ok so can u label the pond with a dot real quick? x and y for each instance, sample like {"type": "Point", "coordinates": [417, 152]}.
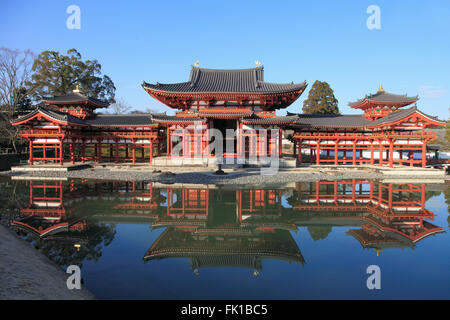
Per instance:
{"type": "Point", "coordinates": [313, 240]}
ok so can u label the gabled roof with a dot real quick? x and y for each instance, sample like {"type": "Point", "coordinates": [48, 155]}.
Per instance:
{"type": "Point", "coordinates": [384, 98]}
{"type": "Point", "coordinates": [353, 121]}
{"type": "Point", "coordinates": [230, 81]}
{"type": "Point", "coordinates": [99, 120]}
{"type": "Point", "coordinates": [53, 114]}
{"type": "Point", "coordinates": [76, 98]}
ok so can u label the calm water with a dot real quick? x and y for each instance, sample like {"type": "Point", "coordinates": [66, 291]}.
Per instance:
{"type": "Point", "coordinates": [311, 240]}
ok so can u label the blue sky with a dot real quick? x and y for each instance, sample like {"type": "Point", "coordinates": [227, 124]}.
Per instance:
{"type": "Point", "coordinates": [158, 41]}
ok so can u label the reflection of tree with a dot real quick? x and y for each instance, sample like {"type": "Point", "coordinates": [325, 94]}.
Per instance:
{"type": "Point", "coordinates": [447, 201]}
{"type": "Point", "coordinates": [60, 247]}
{"type": "Point", "coordinates": [319, 232]}
{"type": "Point", "coordinates": [13, 195]}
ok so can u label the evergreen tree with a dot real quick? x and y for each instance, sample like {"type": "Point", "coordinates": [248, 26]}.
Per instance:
{"type": "Point", "coordinates": [58, 74]}
{"type": "Point", "coordinates": [321, 100]}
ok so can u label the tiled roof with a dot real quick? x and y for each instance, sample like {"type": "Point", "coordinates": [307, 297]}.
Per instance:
{"type": "Point", "coordinates": [174, 119]}
{"type": "Point", "coordinates": [57, 115]}
{"type": "Point", "coordinates": [271, 120]}
{"type": "Point", "coordinates": [76, 97]}
{"type": "Point", "coordinates": [348, 121]}
{"type": "Point", "coordinates": [101, 120]}
{"type": "Point", "coordinates": [230, 81]}
{"type": "Point", "coordinates": [385, 97]}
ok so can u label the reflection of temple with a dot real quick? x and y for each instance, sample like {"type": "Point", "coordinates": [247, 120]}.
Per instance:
{"type": "Point", "coordinates": [46, 217]}
{"type": "Point", "coordinates": [234, 228]}
{"type": "Point", "coordinates": [215, 233]}
{"type": "Point", "coordinates": [392, 216]}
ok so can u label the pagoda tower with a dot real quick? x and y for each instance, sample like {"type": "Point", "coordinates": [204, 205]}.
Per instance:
{"type": "Point", "coordinates": [382, 103]}
{"type": "Point", "coordinates": [76, 104]}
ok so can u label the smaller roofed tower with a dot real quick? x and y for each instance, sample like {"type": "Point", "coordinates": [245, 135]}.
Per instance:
{"type": "Point", "coordinates": [381, 103]}
{"type": "Point", "coordinates": [76, 104]}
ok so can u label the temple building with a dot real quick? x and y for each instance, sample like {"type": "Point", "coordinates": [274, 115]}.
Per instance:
{"type": "Point", "coordinates": [241, 106]}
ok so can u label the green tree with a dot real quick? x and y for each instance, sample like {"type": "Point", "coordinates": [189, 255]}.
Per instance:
{"type": "Point", "coordinates": [319, 232]}
{"type": "Point", "coordinates": [58, 74]}
{"type": "Point", "coordinates": [321, 100]}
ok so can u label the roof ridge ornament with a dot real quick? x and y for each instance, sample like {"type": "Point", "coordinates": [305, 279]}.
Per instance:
{"type": "Point", "coordinates": [76, 90]}
{"type": "Point", "coordinates": [380, 89]}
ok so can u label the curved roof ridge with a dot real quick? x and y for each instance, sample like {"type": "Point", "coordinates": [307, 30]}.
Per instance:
{"type": "Point", "coordinates": [227, 70]}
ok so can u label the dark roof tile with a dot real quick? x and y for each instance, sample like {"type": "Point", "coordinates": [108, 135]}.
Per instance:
{"type": "Point", "coordinates": [101, 120]}
{"type": "Point", "coordinates": [76, 97]}
{"type": "Point", "coordinates": [385, 97]}
{"type": "Point", "coordinates": [236, 80]}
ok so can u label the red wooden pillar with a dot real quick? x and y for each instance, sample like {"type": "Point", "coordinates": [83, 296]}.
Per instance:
{"type": "Point", "coordinates": [299, 151]}
{"type": "Point", "coordinates": [318, 152]}
{"type": "Point", "coordinates": [134, 151]}
{"type": "Point", "coordinates": [391, 153]}
{"type": "Point", "coordinates": [151, 151]}
{"type": "Point", "coordinates": [354, 152]}
{"type": "Point", "coordinates": [411, 158]}
{"type": "Point", "coordinates": [61, 151]}
{"type": "Point", "coordinates": [44, 153]}
{"type": "Point", "coordinates": [422, 196]}
{"type": "Point", "coordinates": [336, 152]}
{"type": "Point", "coordinates": [31, 151]}
{"type": "Point", "coordinates": [117, 151]}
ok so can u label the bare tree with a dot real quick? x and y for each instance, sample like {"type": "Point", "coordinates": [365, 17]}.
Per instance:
{"type": "Point", "coordinates": [15, 72]}
{"type": "Point", "coordinates": [118, 107]}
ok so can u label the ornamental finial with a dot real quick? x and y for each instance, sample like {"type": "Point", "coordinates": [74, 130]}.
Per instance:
{"type": "Point", "coordinates": [257, 63]}
{"type": "Point", "coordinates": [196, 63]}
{"type": "Point", "coordinates": [77, 89]}
{"type": "Point", "coordinates": [381, 88]}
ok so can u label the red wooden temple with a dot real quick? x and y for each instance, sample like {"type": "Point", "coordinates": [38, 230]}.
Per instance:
{"type": "Point", "coordinates": [242, 107]}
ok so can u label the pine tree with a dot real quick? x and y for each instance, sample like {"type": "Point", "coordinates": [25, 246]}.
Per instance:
{"type": "Point", "coordinates": [58, 74]}
{"type": "Point", "coordinates": [321, 100]}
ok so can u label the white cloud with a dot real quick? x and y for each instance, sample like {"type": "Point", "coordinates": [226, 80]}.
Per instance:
{"type": "Point", "coordinates": [431, 92]}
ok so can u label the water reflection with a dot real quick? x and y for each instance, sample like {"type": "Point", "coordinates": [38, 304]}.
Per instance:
{"type": "Point", "coordinates": [74, 221]}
